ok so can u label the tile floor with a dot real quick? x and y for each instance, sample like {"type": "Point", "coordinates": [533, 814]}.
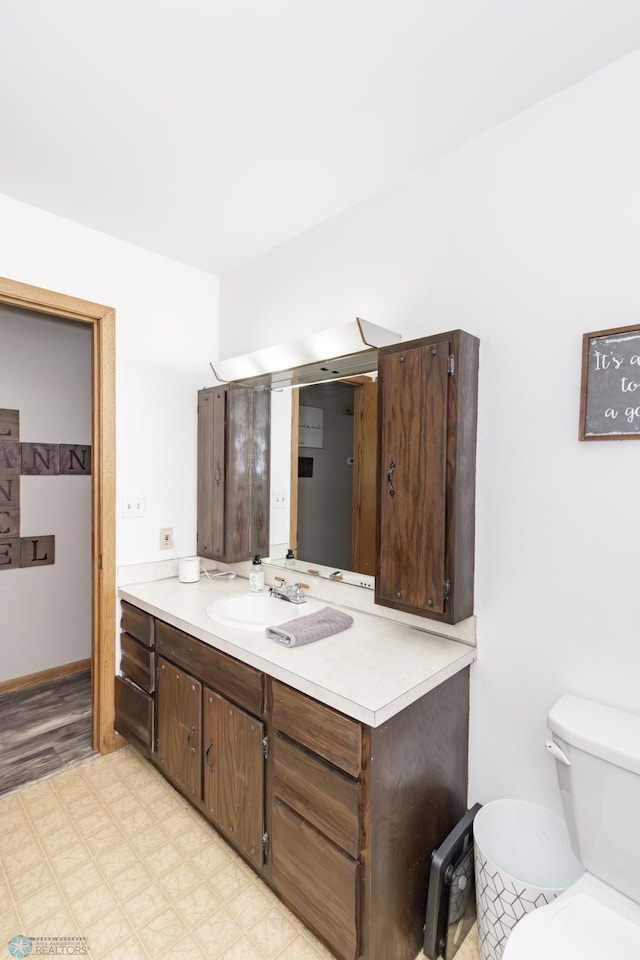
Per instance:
{"type": "Point", "coordinates": [108, 851]}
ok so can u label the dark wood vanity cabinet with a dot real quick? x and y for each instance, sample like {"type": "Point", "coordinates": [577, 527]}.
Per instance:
{"type": "Point", "coordinates": [134, 688]}
{"type": "Point", "coordinates": [234, 429]}
{"type": "Point", "coordinates": [339, 818]}
{"type": "Point", "coordinates": [427, 413]}
{"type": "Point", "coordinates": [354, 813]}
{"type": "Point", "coordinates": [315, 816]}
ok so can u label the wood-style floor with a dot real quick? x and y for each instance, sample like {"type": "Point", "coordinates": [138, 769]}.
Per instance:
{"type": "Point", "coordinates": [44, 729]}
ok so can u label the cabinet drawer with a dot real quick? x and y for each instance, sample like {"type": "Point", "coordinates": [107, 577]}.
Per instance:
{"type": "Point", "coordinates": [319, 728]}
{"type": "Point", "coordinates": [319, 881]}
{"type": "Point", "coordinates": [137, 623]}
{"type": "Point", "coordinates": [237, 681]}
{"type": "Point", "coordinates": [134, 714]}
{"type": "Point", "coordinates": [329, 800]}
{"type": "Point", "coordinates": [138, 662]}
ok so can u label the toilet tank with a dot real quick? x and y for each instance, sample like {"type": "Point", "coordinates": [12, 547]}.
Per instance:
{"type": "Point", "coordinates": [600, 788]}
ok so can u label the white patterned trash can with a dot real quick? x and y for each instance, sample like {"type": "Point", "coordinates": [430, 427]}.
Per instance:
{"type": "Point", "coordinates": [523, 860]}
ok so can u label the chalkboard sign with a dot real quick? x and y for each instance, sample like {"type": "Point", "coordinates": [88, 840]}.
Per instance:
{"type": "Point", "coordinates": [610, 400]}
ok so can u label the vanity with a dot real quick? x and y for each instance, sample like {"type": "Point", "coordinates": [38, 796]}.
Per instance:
{"type": "Point", "coordinates": [334, 769]}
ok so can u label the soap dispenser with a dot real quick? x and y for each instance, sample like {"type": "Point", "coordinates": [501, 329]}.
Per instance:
{"type": "Point", "coordinates": [289, 560]}
{"type": "Point", "coordinates": [256, 575]}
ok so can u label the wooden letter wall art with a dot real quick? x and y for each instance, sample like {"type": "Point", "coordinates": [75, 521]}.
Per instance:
{"type": "Point", "coordinates": [30, 459]}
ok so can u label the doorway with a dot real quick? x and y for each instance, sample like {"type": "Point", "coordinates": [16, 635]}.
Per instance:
{"type": "Point", "coordinates": [333, 473]}
{"type": "Point", "coordinates": [101, 320]}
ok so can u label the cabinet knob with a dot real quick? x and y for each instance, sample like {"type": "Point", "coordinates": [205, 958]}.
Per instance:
{"type": "Point", "coordinates": [429, 603]}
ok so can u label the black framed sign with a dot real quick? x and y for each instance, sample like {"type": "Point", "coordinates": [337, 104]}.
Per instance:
{"type": "Point", "coordinates": [610, 393]}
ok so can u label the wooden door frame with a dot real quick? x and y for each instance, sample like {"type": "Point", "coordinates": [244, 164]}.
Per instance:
{"type": "Point", "coordinates": [103, 560]}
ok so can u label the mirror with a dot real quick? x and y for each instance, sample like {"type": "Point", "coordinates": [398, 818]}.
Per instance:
{"type": "Point", "coordinates": [323, 478]}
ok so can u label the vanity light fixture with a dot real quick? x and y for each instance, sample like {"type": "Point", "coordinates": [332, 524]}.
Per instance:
{"type": "Point", "coordinates": [343, 351]}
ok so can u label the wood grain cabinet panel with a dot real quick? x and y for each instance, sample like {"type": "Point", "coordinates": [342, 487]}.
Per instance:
{"type": "Point", "coordinates": [134, 714]}
{"type": "Point", "coordinates": [238, 681]}
{"type": "Point", "coordinates": [234, 774]}
{"type": "Point", "coordinates": [137, 623]}
{"type": "Point", "coordinates": [317, 879]}
{"type": "Point", "coordinates": [328, 733]}
{"type": "Point", "coordinates": [179, 698]}
{"type": "Point", "coordinates": [427, 413]}
{"type": "Point", "coordinates": [233, 472]}
{"type": "Point", "coordinates": [329, 800]}
{"type": "Point", "coordinates": [138, 662]}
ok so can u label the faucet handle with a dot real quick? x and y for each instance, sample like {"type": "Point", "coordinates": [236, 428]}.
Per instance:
{"type": "Point", "coordinates": [280, 580]}
{"type": "Point", "coordinates": [297, 595]}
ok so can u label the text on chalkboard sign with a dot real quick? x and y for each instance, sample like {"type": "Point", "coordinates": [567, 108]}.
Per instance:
{"type": "Point", "coordinates": [610, 398]}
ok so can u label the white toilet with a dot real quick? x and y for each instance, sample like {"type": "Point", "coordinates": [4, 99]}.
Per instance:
{"type": "Point", "coordinates": [597, 753]}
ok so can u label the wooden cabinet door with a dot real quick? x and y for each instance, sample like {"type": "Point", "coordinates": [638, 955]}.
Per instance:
{"type": "Point", "coordinates": [413, 444]}
{"type": "Point", "coordinates": [179, 705]}
{"type": "Point", "coordinates": [427, 412]}
{"type": "Point", "coordinates": [234, 427]}
{"type": "Point", "coordinates": [234, 774]}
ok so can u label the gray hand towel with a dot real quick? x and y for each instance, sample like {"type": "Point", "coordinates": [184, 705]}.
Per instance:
{"type": "Point", "coordinates": [312, 626]}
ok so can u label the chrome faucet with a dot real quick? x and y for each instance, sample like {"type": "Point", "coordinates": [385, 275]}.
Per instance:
{"type": "Point", "coordinates": [292, 592]}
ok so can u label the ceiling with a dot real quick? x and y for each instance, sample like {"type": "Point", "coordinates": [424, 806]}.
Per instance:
{"type": "Point", "coordinates": [211, 131]}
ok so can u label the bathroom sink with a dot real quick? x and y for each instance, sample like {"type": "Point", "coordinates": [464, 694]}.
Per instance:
{"type": "Point", "coordinates": [255, 611]}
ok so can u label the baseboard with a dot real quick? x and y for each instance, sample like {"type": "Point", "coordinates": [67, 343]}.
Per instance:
{"type": "Point", "coordinates": [53, 673]}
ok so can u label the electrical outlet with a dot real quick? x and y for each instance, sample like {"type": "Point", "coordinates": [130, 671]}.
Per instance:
{"type": "Point", "coordinates": [279, 501]}
{"type": "Point", "coordinates": [166, 538]}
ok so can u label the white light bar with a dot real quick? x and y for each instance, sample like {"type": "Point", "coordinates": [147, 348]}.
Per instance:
{"type": "Point", "coordinates": [342, 351]}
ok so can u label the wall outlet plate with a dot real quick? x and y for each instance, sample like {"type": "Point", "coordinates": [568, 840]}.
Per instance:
{"type": "Point", "coordinates": [166, 538]}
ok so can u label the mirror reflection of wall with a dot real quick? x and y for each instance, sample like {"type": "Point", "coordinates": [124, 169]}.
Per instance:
{"type": "Point", "coordinates": [325, 474]}
{"type": "Point", "coordinates": [334, 524]}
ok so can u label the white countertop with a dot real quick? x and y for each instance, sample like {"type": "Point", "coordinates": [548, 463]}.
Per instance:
{"type": "Point", "coordinates": [370, 671]}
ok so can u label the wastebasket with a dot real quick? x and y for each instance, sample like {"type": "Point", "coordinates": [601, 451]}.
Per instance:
{"type": "Point", "coordinates": [523, 860]}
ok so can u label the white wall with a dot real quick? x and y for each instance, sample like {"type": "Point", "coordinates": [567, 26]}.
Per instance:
{"type": "Point", "coordinates": [166, 334]}
{"type": "Point", "coordinates": [45, 374]}
{"type": "Point", "coordinates": [527, 237]}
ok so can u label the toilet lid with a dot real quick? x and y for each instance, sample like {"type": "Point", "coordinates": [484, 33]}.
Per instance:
{"type": "Point", "coordinates": [579, 927]}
